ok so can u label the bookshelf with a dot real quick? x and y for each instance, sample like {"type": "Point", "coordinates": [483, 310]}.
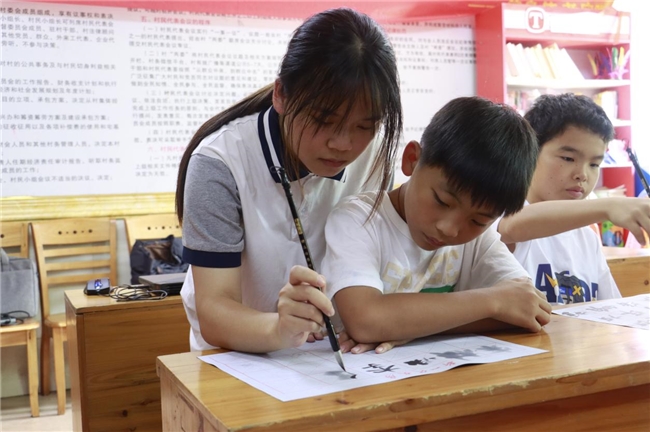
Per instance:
{"type": "Point", "coordinates": [556, 84]}
{"type": "Point", "coordinates": [523, 51]}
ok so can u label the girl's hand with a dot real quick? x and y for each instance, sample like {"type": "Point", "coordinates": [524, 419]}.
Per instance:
{"type": "Point", "coordinates": [348, 344]}
{"type": "Point", "coordinates": [301, 304]}
{"type": "Point", "coordinates": [320, 335]}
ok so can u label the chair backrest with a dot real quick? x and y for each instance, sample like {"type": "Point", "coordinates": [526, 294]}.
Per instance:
{"type": "Point", "coordinates": [151, 227]}
{"type": "Point", "coordinates": [14, 239]}
{"type": "Point", "coordinates": [72, 252]}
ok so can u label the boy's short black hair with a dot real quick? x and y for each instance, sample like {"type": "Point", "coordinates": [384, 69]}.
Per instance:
{"type": "Point", "coordinates": [551, 115]}
{"type": "Point", "coordinates": [486, 150]}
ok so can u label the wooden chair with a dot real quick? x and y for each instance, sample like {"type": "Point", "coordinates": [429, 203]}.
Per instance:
{"type": "Point", "coordinates": [70, 252]}
{"type": "Point", "coordinates": [14, 240]}
{"type": "Point", "coordinates": [151, 227]}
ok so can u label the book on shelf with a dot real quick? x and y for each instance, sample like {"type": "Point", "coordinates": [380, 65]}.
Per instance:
{"type": "Point", "coordinates": [537, 62]}
{"type": "Point", "coordinates": [608, 101]}
{"type": "Point", "coordinates": [616, 154]}
{"type": "Point", "coordinates": [511, 64]}
{"type": "Point", "coordinates": [545, 66]}
{"type": "Point", "coordinates": [521, 63]}
{"type": "Point", "coordinates": [533, 62]}
{"type": "Point", "coordinates": [522, 100]}
{"type": "Point", "coordinates": [570, 70]}
{"type": "Point", "coordinates": [552, 63]}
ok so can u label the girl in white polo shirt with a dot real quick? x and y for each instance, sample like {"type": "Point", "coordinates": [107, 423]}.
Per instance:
{"type": "Point", "coordinates": [248, 288]}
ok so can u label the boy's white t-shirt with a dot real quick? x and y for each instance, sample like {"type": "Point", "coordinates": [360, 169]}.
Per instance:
{"type": "Point", "coordinates": [570, 267]}
{"type": "Point", "coordinates": [381, 253]}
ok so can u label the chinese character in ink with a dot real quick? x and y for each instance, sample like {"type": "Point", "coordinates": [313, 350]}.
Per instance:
{"type": "Point", "coordinates": [375, 368]}
{"type": "Point", "coordinates": [421, 362]}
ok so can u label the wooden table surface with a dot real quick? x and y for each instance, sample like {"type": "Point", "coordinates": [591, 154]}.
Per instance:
{"type": "Point", "coordinates": [594, 377]}
{"type": "Point", "coordinates": [622, 253]}
{"type": "Point", "coordinates": [113, 348]}
{"type": "Point", "coordinates": [630, 269]}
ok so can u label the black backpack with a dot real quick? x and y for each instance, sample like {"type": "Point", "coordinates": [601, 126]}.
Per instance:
{"type": "Point", "coordinates": [157, 256]}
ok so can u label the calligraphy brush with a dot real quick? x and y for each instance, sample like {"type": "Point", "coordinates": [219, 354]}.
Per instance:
{"type": "Point", "coordinates": [638, 170]}
{"type": "Point", "coordinates": [284, 180]}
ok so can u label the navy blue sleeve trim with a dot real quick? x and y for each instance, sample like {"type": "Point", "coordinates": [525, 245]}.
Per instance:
{"type": "Point", "coordinates": [212, 259]}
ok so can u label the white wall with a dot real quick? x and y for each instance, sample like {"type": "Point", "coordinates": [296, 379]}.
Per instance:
{"type": "Point", "coordinates": [13, 360]}
{"type": "Point", "coordinates": [420, 89]}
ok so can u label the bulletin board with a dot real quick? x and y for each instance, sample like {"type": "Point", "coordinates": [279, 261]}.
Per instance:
{"type": "Point", "coordinates": [99, 102]}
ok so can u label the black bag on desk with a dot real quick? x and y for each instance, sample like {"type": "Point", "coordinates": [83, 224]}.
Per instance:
{"type": "Point", "coordinates": [158, 256]}
{"type": "Point", "coordinates": [18, 285]}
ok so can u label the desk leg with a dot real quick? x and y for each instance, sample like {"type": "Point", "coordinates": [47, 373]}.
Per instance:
{"type": "Point", "coordinates": [76, 357]}
{"type": "Point", "coordinates": [167, 405]}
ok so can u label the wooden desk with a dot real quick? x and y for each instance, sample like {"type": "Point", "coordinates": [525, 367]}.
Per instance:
{"type": "Point", "coordinates": [630, 269]}
{"type": "Point", "coordinates": [113, 348]}
{"type": "Point", "coordinates": [594, 377]}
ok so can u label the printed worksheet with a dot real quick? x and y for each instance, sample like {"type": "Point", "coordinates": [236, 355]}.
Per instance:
{"type": "Point", "coordinates": [311, 370]}
{"type": "Point", "coordinates": [627, 311]}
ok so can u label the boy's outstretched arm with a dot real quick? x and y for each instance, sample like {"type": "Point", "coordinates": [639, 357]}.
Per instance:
{"type": "Point", "coordinates": [548, 218]}
{"type": "Point", "coordinates": [370, 316]}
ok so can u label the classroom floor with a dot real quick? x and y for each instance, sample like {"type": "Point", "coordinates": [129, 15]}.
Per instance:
{"type": "Point", "coordinates": [15, 415]}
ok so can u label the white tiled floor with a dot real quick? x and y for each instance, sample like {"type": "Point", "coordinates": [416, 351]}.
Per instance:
{"type": "Point", "coordinates": [15, 415]}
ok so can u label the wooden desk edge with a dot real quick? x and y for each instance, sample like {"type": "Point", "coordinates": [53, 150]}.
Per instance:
{"type": "Point", "coordinates": [617, 253]}
{"type": "Point", "coordinates": [385, 415]}
{"type": "Point", "coordinates": [484, 399]}
{"type": "Point", "coordinates": [81, 303]}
